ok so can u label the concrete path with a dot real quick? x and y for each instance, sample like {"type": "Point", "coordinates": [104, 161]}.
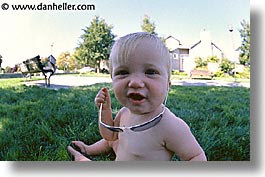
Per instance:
{"type": "Point", "coordinates": [58, 82]}
{"type": "Point", "coordinates": [195, 82]}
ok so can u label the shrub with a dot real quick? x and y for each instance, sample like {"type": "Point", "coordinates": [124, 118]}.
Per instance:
{"type": "Point", "coordinates": [213, 59]}
{"type": "Point", "coordinates": [245, 74]}
{"type": "Point", "coordinates": [226, 65]}
{"type": "Point", "coordinates": [176, 72]}
{"type": "Point", "coordinates": [200, 62]}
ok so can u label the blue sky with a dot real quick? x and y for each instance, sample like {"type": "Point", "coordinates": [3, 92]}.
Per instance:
{"type": "Point", "coordinates": [24, 34]}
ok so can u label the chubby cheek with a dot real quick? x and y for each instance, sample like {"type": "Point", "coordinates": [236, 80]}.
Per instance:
{"type": "Point", "coordinates": [119, 92]}
{"type": "Point", "coordinates": [159, 95]}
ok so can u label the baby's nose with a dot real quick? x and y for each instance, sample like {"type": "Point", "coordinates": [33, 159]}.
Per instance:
{"type": "Point", "coordinates": [136, 82]}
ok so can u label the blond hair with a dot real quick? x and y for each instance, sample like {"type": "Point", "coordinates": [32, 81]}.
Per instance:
{"type": "Point", "coordinates": [125, 45]}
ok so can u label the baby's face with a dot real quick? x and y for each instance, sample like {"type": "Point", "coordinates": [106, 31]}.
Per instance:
{"type": "Point", "coordinates": [141, 84]}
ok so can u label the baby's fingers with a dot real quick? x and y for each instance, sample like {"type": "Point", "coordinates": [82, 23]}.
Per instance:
{"type": "Point", "coordinates": [103, 97]}
{"type": "Point", "coordinates": [77, 155]}
{"type": "Point", "coordinates": [99, 101]}
{"type": "Point", "coordinates": [107, 95]}
{"type": "Point", "coordinates": [100, 97]}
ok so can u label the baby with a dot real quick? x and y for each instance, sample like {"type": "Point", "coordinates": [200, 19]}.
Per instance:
{"type": "Point", "coordinates": [144, 129]}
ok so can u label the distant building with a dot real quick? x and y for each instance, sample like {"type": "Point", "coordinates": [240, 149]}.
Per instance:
{"type": "Point", "coordinates": [179, 54]}
{"type": "Point", "coordinates": [205, 47]}
{"type": "Point", "coordinates": [182, 57]}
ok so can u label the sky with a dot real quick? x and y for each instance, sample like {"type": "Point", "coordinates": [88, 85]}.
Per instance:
{"type": "Point", "coordinates": [25, 34]}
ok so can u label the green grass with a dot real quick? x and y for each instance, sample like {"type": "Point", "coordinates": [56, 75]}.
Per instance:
{"type": "Point", "coordinates": [38, 123]}
{"type": "Point", "coordinates": [218, 117]}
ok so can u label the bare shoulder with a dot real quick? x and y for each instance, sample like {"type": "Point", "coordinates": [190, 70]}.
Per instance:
{"type": "Point", "coordinates": [122, 112]}
{"type": "Point", "coordinates": [171, 121]}
{"type": "Point", "coordinates": [179, 139]}
{"type": "Point", "coordinates": [175, 129]}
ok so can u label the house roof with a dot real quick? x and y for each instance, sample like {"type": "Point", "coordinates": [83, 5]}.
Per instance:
{"type": "Point", "coordinates": [173, 38]}
{"type": "Point", "coordinates": [176, 47]}
{"type": "Point", "coordinates": [195, 44]}
{"type": "Point", "coordinates": [211, 44]}
{"type": "Point", "coordinates": [216, 47]}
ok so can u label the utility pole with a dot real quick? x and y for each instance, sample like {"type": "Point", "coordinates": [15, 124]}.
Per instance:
{"type": "Point", "coordinates": [52, 47]}
{"type": "Point", "coordinates": [230, 28]}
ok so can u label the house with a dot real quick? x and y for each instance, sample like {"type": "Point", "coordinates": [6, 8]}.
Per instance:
{"type": "Point", "coordinates": [183, 57]}
{"type": "Point", "coordinates": [205, 47]}
{"type": "Point", "coordinates": [179, 54]}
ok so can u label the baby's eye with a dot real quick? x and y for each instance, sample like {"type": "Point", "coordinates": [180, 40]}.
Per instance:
{"type": "Point", "coordinates": [122, 72]}
{"type": "Point", "coordinates": [151, 72]}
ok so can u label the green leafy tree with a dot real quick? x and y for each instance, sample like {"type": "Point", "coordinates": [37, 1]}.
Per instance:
{"type": "Point", "coordinates": [7, 69]}
{"type": "Point", "coordinates": [148, 26]}
{"type": "Point", "coordinates": [65, 61]}
{"type": "Point", "coordinates": [244, 55]}
{"type": "Point", "coordinates": [96, 43]}
{"type": "Point", "coordinates": [77, 60]}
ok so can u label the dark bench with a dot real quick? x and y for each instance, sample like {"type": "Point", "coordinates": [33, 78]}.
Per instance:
{"type": "Point", "coordinates": [34, 65]}
{"type": "Point", "coordinates": [201, 73]}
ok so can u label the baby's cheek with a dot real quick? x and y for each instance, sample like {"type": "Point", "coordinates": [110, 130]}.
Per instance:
{"type": "Point", "coordinates": [119, 94]}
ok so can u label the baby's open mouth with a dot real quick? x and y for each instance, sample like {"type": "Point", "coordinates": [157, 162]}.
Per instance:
{"type": "Point", "coordinates": [136, 96]}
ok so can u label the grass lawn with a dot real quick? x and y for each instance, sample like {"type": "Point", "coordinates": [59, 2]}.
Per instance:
{"type": "Point", "coordinates": [38, 123]}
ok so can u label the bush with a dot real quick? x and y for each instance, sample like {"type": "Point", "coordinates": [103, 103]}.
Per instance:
{"type": "Point", "coordinates": [226, 65]}
{"type": "Point", "coordinates": [245, 74]}
{"type": "Point", "coordinates": [219, 74]}
{"type": "Point", "coordinates": [176, 72]}
{"type": "Point", "coordinates": [213, 59]}
{"type": "Point", "coordinates": [200, 62]}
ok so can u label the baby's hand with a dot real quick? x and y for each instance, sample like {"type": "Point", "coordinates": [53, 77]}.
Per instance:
{"type": "Point", "coordinates": [79, 146]}
{"type": "Point", "coordinates": [103, 97]}
{"type": "Point", "coordinates": [78, 155]}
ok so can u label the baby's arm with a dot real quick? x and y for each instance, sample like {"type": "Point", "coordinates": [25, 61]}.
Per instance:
{"type": "Point", "coordinates": [103, 98]}
{"type": "Point", "coordinates": [180, 140]}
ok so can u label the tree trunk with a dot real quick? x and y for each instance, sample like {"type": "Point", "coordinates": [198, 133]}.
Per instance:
{"type": "Point", "coordinates": [98, 66]}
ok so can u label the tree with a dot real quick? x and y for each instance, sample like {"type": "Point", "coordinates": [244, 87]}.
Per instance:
{"type": "Point", "coordinates": [148, 26]}
{"type": "Point", "coordinates": [96, 43]}
{"type": "Point", "coordinates": [244, 54]}
{"type": "Point", "coordinates": [77, 60]}
{"type": "Point", "coordinates": [65, 61]}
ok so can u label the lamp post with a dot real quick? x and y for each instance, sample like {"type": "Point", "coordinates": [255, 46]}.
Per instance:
{"type": "Point", "coordinates": [52, 47]}
{"type": "Point", "coordinates": [230, 28]}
